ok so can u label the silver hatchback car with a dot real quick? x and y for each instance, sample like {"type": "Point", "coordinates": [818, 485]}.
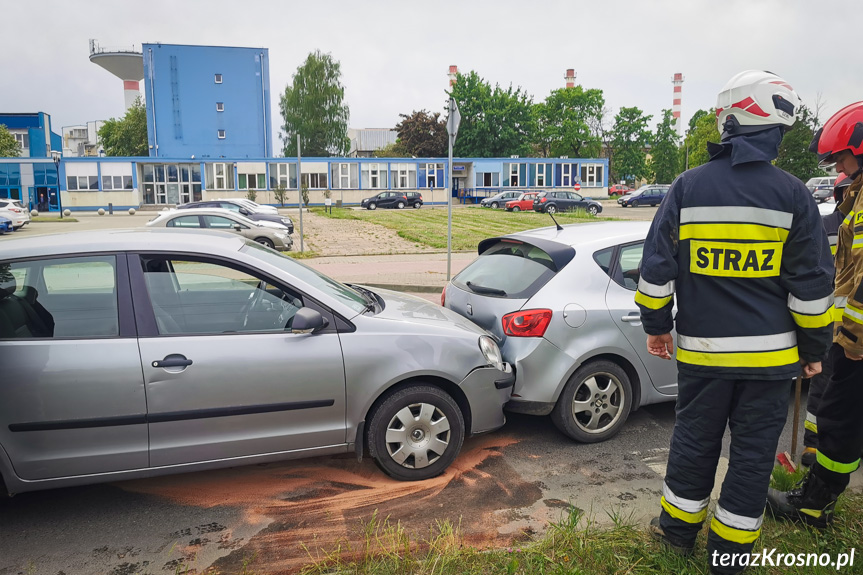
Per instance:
{"type": "Point", "coordinates": [561, 303]}
{"type": "Point", "coordinates": [129, 354]}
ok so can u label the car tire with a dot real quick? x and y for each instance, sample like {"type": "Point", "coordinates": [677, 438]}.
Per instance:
{"type": "Point", "coordinates": [373, 206]}
{"type": "Point", "coordinates": [495, 205]}
{"type": "Point", "coordinates": [516, 209]}
{"type": "Point", "coordinates": [424, 406]}
{"type": "Point", "coordinates": [577, 414]}
{"type": "Point", "coordinates": [417, 205]}
{"type": "Point", "coordinates": [552, 209]}
{"type": "Point", "coordinates": [266, 242]}
{"type": "Point", "coordinates": [592, 210]}
{"type": "Point", "coordinates": [634, 203]}
{"type": "Point", "coordinates": [400, 205]}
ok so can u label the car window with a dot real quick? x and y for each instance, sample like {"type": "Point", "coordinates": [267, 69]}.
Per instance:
{"type": "Point", "coordinates": [629, 262]}
{"type": "Point", "coordinates": [203, 297]}
{"type": "Point", "coordinates": [184, 222]}
{"type": "Point", "coordinates": [575, 196]}
{"type": "Point", "coordinates": [221, 223]}
{"type": "Point", "coordinates": [515, 268]}
{"type": "Point", "coordinates": [60, 298]}
{"type": "Point", "coordinates": [230, 206]}
{"type": "Point", "coordinates": [603, 259]}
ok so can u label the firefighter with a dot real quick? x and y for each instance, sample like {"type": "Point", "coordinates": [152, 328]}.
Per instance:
{"type": "Point", "coordinates": [831, 223]}
{"type": "Point", "coordinates": [739, 243]}
{"type": "Point", "coordinates": [840, 427]}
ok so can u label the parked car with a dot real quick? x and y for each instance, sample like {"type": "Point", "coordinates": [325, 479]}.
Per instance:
{"type": "Point", "coordinates": [828, 181]}
{"type": "Point", "coordinates": [619, 190]}
{"type": "Point", "coordinates": [415, 199]}
{"type": "Point", "coordinates": [14, 211]}
{"type": "Point", "coordinates": [552, 202]}
{"type": "Point", "coordinates": [262, 208]}
{"type": "Point", "coordinates": [822, 193]}
{"type": "Point", "coordinates": [644, 196]}
{"type": "Point", "coordinates": [244, 209]}
{"type": "Point", "coordinates": [827, 207]}
{"type": "Point", "coordinates": [500, 199]}
{"type": "Point", "coordinates": [561, 304]}
{"type": "Point", "coordinates": [272, 235]}
{"type": "Point", "coordinates": [135, 353]}
{"type": "Point", "coordinates": [523, 202]}
{"type": "Point", "coordinates": [5, 225]}
{"type": "Point", "coordinates": [386, 200]}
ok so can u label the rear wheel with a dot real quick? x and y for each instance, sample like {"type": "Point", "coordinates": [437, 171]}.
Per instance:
{"type": "Point", "coordinates": [516, 209]}
{"type": "Point", "coordinates": [266, 242]}
{"type": "Point", "coordinates": [415, 432]}
{"type": "Point", "coordinates": [400, 205]}
{"type": "Point", "coordinates": [373, 206]}
{"type": "Point", "coordinates": [417, 205]}
{"type": "Point", "coordinates": [595, 402]}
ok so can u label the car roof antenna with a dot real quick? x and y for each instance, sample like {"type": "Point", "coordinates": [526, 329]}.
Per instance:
{"type": "Point", "coordinates": [559, 227]}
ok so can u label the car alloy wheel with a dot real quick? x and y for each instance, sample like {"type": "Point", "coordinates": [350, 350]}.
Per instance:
{"type": "Point", "coordinates": [592, 210]}
{"type": "Point", "coordinates": [595, 402]}
{"type": "Point", "coordinates": [415, 432]}
{"type": "Point", "coordinates": [634, 203]}
{"type": "Point", "coordinates": [373, 206]}
{"type": "Point", "coordinates": [266, 242]}
{"type": "Point", "coordinates": [552, 209]}
{"type": "Point", "coordinates": [400, 205]}
{"type": "Point", "coordinates": [417, 205]}
{"type": "Point", "coordinates": [516, 209]}
{"type": "Point", "coordinates": [494, 205]}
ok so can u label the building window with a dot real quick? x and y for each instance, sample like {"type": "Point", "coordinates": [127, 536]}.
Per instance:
{"type": "Point", "coordinates": [404, 176]}
{"type": "Point", "coordinates": [432, 173]}
{"type": "Point", "coordinates": [221, 134]}
{"type": "Point", "coordinates": [218, 78]}
{"type": "Point", "coordinates": [374, 176]}
{"type": "Point", "coordinates": [220, 106]}
{"type": "Point", "coordinates": [252, 181]}
{"type": "Point", "coordinates": [592, 175]}
{"type": "Point", "coordinates": [566, 175]}
{"type": "Point", "coordinates": [315, 181]}
{"type": "Point", "coordinates": [220, 176]}
{"type": "Point", "coordinates": [514, 175]}
{"type": "Point", "coordinates": [23, 140]}
{"type": "Point", "coordinates": [540, 175]}
{"type": "Point", "coordinates": [345, 176]}
{"type": "Point", "coordinates": [284, 176]}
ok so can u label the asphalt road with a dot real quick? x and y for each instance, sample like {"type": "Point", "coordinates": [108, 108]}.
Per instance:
{"type": "Point", "coordinates": [504, 487]}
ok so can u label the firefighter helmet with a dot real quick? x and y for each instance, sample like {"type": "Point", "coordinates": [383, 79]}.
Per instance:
{"type": "Point", "coordinates": [843, 131]}
{"type": "Point", "coordinates": [753, 101]}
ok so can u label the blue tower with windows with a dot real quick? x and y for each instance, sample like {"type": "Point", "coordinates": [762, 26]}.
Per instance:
{"type": "Point", "coordinates": [207, 101]}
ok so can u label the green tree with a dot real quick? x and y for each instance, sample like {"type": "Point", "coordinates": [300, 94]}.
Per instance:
{"type": "Point", "coordinates": [704, 130]}
{"type": "Point", "coordinates": [631, 136]}
{"type": "Point", "coordinates": [423, 134]}
{"type": "Point", "coordinates": [396, 150]}
{"type": "Point", "coordinates": [564, 122]}
{"type": "Point", "coordinates": [9, 147]}
{"type": "Point", "coordinates": [695, 117]}
{"type": "Point", "coordinates": [494, 122]}
{"type": "Point", "coordinates": [664, 152]}
{"type": "Point", "coordinates": [794, 155]}
{"type": "Point", "coordinates": [128, 135]}
{"type": "Point", "coordinates": [313, 107]}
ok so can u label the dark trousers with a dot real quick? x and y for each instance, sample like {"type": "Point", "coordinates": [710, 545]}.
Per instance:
{"type": "Point", "coordinates": [817, 385]}
{"type": "Point", "coordinates": [755, 412]}
{"type": "Point", "coordinates": [840, 424]}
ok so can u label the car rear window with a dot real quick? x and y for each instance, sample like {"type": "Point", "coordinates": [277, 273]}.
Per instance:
{"type": "Point", "coordinates": [508, 269]}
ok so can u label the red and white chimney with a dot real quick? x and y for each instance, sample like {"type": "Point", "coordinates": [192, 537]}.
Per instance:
{"type": "Point", "coordinates": [453, 73]}
{"type": "Point", "coordinates": [675, 108]}
{"type": "Point", "coordinates": [570, 78]}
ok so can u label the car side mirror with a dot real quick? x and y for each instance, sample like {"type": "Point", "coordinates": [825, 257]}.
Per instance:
{"type": "Point", "coordinates": [307, 320]}
{"type": "Point", "coordinates": [238, 228]}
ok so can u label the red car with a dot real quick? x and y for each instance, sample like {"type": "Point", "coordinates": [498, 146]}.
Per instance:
{"type": "Point", "coordinates": [524, 202]}
{"type": "Point", "coordinates": [619, 189]}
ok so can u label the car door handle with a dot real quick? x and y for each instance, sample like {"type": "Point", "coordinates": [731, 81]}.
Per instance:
{"type": "Point", "coordinates": [632, 318]}
{"type": "Point", "coordinates": [173, 360]}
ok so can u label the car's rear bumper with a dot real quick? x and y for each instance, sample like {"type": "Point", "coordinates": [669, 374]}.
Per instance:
{"type": "Point", "coordinates": [487, 390]}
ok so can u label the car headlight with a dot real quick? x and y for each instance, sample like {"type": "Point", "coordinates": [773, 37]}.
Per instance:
{"type": "Point", "coordinates": [491, 352]}
{"type": "Point", "coordinates": [287, 221]}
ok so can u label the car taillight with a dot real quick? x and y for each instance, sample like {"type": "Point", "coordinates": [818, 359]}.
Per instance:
{"type": "Point", "coordinates": [16, 210]}
{"type": "Point", "coordinates": [528, 323]}
{"type": "Point", "coordinates": [542, 200]}
{"type": "Point", "coordinates": [443, 297]}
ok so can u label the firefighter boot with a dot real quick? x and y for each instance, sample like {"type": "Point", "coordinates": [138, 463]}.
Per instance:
{"type": "Point", "coordinates": [812, 502]}
{"type": "Point", "coordinates": [680, 547]}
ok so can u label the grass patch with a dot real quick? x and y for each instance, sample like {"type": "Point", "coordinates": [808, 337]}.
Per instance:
{"type": "Point", "coordinates": [298, 255]}
{"type": "Point", "coordinates": [576, 545]}
{"type": "Point", "coordinates": [55, 219]}
{"type": "Point", "coordinates": [469, 225]}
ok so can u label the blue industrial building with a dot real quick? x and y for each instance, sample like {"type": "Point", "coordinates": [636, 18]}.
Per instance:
{"type": "Point", "coordinates": [207, 101]}
{"type": "Point", "coordinates": [33, 133]}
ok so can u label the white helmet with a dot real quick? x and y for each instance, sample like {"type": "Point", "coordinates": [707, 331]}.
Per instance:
{"type": "Point", "coordinates": [755, 100]}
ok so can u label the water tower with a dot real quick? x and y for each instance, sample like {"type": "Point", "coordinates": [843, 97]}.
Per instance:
{"type": "Point", "coordinates": [125, 63]}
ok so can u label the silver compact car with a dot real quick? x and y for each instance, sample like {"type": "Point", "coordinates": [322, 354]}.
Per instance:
{"type": "Point", "coordinates": [561, 303]}
{"type": "Point", "coordinates": [135, 353]}
{"type": "Point", "coordinates": [270, 234]}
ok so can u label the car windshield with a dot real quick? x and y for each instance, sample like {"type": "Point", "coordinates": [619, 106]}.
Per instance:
{"type": "Point", "coordinates": [508, 269]}
{"type": "Point", "coordinates": [327, 285]}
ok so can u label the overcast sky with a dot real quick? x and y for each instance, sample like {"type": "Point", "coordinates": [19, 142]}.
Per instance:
{"type": "Point", "coordinates": [395, 54]}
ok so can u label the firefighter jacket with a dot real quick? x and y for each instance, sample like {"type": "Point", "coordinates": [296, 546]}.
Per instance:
{"type": "Point", "coordinates": [831, 223]}
{"type": "Point", "coordinates": [740, 245]}
{"type": "Point", "coordinates": [849, 272]}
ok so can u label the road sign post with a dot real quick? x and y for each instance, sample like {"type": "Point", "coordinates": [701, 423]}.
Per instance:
{"type": "Point", "coordinates": [453, 120]}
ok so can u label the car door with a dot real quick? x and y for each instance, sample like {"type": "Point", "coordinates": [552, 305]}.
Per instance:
{"type": "Point", "coordinates": [72, 396]}
{"type": "Point", "coordinates": [225, 376]}
{"type": "Point", "coordinates": [620, 298]}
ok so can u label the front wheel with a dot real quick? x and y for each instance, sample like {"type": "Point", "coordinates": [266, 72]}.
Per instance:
{"type": "Point", "coordinates": [634, 203]}
{"type": "Point", "coordinates": [400, 205]}
{"type": "Point", "coordinates": [415, 432]}
{"type": "Point", "coordinates": [551, 209]}
{"type": "Point", "coordinates": [373, 206]}
{"type": "Point", "coordinates": [592, 210]}
{"type": "Point", "coordinates": [495, 205]}
{"type": "Point", "coordinates": [595, 402]}
{"type": "Point", "coordinates": [266, 242]}
{"type": "Point", "coordinates": [516, 209]}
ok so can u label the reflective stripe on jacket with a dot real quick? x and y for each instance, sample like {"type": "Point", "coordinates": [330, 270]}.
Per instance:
{"type": "Point", "coordinates": [849, 271]}
{"type": "Point", "coordinates": [742, 249]}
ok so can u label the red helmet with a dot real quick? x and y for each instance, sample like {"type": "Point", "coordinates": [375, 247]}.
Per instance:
{"type": "Point", "coordinates": [843, 131]}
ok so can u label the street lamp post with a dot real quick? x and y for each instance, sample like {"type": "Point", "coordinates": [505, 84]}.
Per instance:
{"type": "Point", "coordinates": [56, 157]}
